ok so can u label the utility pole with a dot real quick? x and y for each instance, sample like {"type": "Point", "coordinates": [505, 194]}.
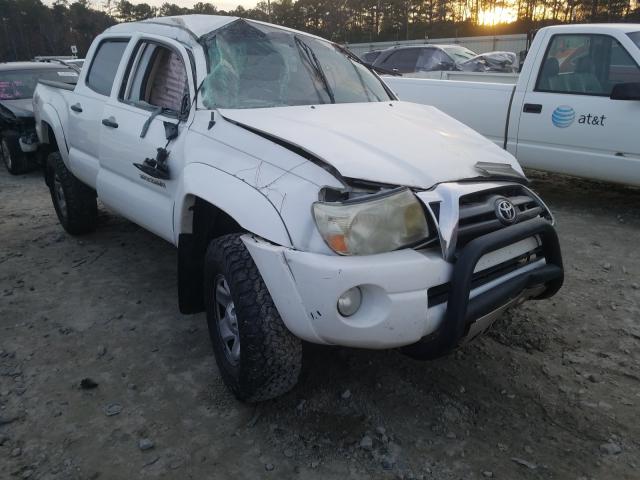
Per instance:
{"type": "Point", "coordinates": [269, 10]}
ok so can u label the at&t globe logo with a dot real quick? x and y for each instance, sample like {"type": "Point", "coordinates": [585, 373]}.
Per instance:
{"type": "Point", "coordinates": [563, 116]}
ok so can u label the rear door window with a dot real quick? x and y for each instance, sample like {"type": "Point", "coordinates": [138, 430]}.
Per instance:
{"type": "Point", "coordinates": [434, 59]}
{"type": "Point", "coordinates": [403, 60]}
{"type": "Point", "coordinates": [105, 65]}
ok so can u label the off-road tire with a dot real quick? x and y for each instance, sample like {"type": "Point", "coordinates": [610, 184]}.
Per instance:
{"type": "Point", "coordinates": [78, 209]}
{"type": "Point", "coordinates": [270, 355]}
{"type": "Point", "coordinates": [13, 157]}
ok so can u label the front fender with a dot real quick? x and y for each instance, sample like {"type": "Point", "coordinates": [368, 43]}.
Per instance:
{"type": "Point", "coordinates": [250, 208]}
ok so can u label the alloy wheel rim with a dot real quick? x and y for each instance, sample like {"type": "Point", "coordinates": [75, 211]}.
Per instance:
{"type": "Point", "coordinates": [226, 320]}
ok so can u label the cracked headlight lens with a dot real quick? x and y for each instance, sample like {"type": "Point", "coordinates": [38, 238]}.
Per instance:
{"type": "Point", "coordinates": [372, 225]}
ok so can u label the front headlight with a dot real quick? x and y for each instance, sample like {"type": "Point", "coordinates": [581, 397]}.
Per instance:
{"type": "Point", "coordinates": [372, 225]}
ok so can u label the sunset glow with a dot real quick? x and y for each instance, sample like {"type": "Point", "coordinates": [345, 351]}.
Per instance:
{"type": "Point", "coordinates": [497, 15]}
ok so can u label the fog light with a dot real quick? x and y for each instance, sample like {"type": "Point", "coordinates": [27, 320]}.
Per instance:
{"type": "Point", "coordinates": [349, 302]}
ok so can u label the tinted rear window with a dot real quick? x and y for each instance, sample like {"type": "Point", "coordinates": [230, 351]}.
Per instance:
{"type": "Point", "coordinates": [105, 65]}
{"type": "Point", "coordinates": [20, 84]}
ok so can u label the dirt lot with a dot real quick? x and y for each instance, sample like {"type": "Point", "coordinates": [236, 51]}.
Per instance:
{"type": "Point", "coordinates": [552, 392]}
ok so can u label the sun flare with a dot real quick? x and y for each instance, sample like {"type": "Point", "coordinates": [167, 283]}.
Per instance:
{"type": "Point", "coordinates": [498, 15]}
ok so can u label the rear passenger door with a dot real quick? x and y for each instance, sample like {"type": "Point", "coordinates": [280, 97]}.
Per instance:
{"type": "Point", "coordinates": [402, 60]}
{"type": "Point", "coordinates": [86, 105]}
{"type": "Point", "coordinates": [158, 76]}
{"type": "Point", "coordinates": [568, 123]}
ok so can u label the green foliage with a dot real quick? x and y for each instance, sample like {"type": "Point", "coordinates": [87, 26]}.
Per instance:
{"type": "Point", "coordinates": [29, 27]}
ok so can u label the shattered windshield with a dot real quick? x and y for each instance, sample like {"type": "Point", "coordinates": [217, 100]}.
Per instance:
{"type": "Point", "coordinates": [20, 84]}
{"type": "Point", "coordinates": [252, 65]}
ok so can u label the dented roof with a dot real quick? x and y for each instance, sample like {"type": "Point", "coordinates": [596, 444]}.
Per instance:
{"type": "Point", "coordinates": [189, 28]}
{"type": "Point", "coordinates": [194, 26]}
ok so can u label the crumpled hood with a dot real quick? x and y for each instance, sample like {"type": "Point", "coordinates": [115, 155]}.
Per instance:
{"type": "Point", "coordinates": [398, 143]}
{"type": "Point", "coordinates": [20, 108]}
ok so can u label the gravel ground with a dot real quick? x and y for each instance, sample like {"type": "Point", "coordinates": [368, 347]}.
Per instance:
{"type": "Point", "coordinates": [551, 392]}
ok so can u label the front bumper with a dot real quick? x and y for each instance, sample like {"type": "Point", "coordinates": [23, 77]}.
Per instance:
{"type": "Point", "coordinates": [468, 315]}
{"type": "Point", "coordinates": [396, 287]}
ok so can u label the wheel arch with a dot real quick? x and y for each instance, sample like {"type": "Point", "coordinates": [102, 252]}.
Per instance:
{"type": "Point", "coordinates": [246, 205]}
{"type": "Point", "coordinates": [47, 137]}
{"type": "Point", "coordinates": [50, 131]}
{"type": "Point", "coordinates": [211, 204]}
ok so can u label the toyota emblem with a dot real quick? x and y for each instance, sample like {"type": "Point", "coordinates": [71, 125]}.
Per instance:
{"type": "Point", "coordinates": [506, 211]}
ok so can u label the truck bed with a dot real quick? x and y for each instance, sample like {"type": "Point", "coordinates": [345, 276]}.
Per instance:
{"type": "Point", "coordinates": [484, 106]}
{"type": "Point", "coordinates": [54, 84]}
{"type": "Point", "coordinates": [53, 96]}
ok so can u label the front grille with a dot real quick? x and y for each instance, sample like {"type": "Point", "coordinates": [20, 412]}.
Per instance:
{"type": "Point", "coordinates": [478, 211]}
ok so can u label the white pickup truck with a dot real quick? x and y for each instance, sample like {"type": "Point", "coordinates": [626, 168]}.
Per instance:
{"type": "Point", "coordinates": [298, 191]}
{"type": "Point", "coordinates": [574, 109]}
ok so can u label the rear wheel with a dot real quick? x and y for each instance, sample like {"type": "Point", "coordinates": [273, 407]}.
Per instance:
{"type": "Point", "coordinates": [75, 202]}
{"type": "Point", "coordinates": [257, 356]}
{"type": "Point", "coordinates": [13, 157]}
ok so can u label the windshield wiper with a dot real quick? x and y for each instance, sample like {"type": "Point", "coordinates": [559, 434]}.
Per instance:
{"type": "Point", "coordinates": [370, 66]}
{"type": "Point", "coordinates": [315, 65]}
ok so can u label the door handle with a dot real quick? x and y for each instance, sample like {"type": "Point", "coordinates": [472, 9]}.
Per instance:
{"type": "Point", "coordinates": [532, 108]}
{"type": "Point", "coordinates": [109, 122]}
{"type": "Point", "coordinates": [77, 108]}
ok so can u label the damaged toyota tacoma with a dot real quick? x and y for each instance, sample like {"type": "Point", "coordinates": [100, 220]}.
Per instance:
{"type": "Point", "coordinates": [306, 202]}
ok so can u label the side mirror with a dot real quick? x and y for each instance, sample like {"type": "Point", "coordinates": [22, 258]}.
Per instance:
{"type": "Point", "coordinates": [626, 91]}
{"type": "Point", "coordinates": [447, 66]}
{"type": "Point", "coordinates": [171, 131]}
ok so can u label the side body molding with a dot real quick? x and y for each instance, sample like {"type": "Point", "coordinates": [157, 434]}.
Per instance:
{"type": "Point", "coordinates": [246, 205]}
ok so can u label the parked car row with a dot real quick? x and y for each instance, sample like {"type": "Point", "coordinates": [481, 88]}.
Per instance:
{"type": "Point", "coordinates": [420, 59]}
{"type": "Point", "coordinates": [307, 203]}
{"type": "Point", "coordinates": [256, 151]}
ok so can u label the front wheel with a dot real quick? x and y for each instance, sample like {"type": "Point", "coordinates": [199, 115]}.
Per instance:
{"type": "Point", "coordinates": [257, 356]}
{"type": "Point", "coordinates": [13, 157]}
{"type": "Point", "coordinates": [75, 203]}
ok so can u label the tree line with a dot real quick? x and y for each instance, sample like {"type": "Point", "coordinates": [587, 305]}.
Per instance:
{"type": "Point", "coordinates": [30, 28]}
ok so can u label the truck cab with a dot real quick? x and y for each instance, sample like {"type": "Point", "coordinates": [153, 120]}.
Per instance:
{"type": "Point", "coordinates": [573, 114]}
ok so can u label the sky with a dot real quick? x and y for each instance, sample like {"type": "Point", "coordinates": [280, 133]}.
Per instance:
{"type": "Point", "coordinates": [221, 4]}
